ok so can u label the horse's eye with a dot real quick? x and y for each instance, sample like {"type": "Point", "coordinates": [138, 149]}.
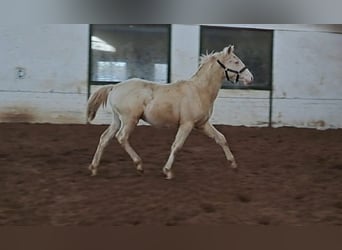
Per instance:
{"type": "Point", "coordinates": [236, 62]}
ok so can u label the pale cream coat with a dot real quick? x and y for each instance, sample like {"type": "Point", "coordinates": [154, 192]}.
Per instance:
{"type": "Point", "coordinates": [184, 104]}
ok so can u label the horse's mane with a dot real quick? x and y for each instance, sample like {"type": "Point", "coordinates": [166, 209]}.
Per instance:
{"type": "Point", "coordinates": [206, 62]}
{"type": "Point", "coordinates": [204, 58]}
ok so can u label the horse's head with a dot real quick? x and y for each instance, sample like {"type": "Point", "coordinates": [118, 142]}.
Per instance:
{"type": "Point", "coordinates": [233, 68]}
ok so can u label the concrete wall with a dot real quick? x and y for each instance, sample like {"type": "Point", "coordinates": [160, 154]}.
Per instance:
{"type": "Point", "coordinates": [306, 76]}
{"type": "Point", "coordinates": [53, 86]}
{"type": "Point", "coordinates": [307, 79]}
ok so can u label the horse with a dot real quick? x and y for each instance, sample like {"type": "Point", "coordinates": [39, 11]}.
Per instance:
{"type": "Point", "coordinates": [186, 104]}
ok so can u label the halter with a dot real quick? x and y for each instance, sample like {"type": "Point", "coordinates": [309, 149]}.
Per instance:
{"type": "Point", "coordinates": [231, 70]}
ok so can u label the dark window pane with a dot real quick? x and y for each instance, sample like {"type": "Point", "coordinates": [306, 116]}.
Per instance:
{"type": "Point", "coordinates": [252, 46]}
{"type": "Point", "coordinates": [120, 52]}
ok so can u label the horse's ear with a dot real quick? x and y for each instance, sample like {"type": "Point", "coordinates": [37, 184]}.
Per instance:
{"type": "Point", "coordinates": [228, 50]}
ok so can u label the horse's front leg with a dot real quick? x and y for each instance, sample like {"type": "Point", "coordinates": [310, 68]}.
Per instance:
{"type": "Point", "coordinates": [219, 138]}
{"type": "Point", "coordinates": [182, 133]}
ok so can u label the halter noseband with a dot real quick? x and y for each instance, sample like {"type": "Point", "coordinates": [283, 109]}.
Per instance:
{"type": "Point", "coordinates": [231, 70]}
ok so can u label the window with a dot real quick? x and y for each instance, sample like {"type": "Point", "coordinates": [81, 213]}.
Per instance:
{"type": "Point", "coordinates": [110, 71]}
{"type": "Point", "coordinates": [252, 46]}
{"type": "Point", "coordinates": [119, 52]}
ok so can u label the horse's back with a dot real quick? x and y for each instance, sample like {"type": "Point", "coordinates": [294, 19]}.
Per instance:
{"type": "Point", "coordinates": [158, 104]}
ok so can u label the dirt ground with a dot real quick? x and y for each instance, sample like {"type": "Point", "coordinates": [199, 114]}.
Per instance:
{"type": "Point", "coordinates": [286, 176]}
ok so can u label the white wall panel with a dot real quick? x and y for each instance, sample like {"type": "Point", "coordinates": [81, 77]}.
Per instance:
{"type": "Point", "coordinates": [184, 51]}
{"type": "Point", "coordinates": [242, 107]}
{"type": "Point", "coordinates": [38, 107]}
{"type": "Point", "coordinates": [307, 65]}
{"type": "Point", "coordinates": [319, 114]}
{"type": "Point", "coordinates": [55, 60]}
{"type": "Point", "coordinates": [307, 79]}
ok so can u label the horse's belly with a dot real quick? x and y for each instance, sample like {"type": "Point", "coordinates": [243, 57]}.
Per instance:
{"type": "Point", "coordinates": [162, 115]}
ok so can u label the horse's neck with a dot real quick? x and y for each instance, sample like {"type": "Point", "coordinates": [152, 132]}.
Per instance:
{"type": "Point", "coordinates": [208, 82]}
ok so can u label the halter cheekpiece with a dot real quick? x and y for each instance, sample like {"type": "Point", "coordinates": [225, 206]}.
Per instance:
{"type": "Point", "coordinates": [231, 70]}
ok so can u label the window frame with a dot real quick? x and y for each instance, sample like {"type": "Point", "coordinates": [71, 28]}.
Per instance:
{"type": "Point", "coordinates": [266, 87]}
{"type": "Point", "coordinates": [90, 58]}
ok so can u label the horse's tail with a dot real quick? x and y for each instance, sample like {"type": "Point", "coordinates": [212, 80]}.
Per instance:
{"type": "Point", "coordinates": [96, 100]}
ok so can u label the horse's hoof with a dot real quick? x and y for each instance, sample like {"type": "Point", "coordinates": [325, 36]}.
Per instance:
{"type": "Point", "coordinates": [233, 165]}
{"type": "Point", "coordinates": [140, 171]}
{"type": "Point", "coordinates": [92, 169]}
{"type": "Point", "coordinates": [168, 174]}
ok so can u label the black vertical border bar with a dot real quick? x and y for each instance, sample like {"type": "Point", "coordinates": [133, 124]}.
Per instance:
{"type": "Point", "coordinates": [169, 53]}
{"type": "Point", "coordinates": [270, 117]}
{"type": "Point", "coordinates": [200, 39]}
{"type": "Point", "coordinates": [89, 60]}
{"type": "Point", "coordinates": [89, 64]}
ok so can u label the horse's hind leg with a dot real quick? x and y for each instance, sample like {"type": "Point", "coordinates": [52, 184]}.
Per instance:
{"type": "Point", "coordinates": [104, 140]}
{"type": "Point", "coordinates": [219, 138]}
{"type": "Point", "coordinates": [127, 127]}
